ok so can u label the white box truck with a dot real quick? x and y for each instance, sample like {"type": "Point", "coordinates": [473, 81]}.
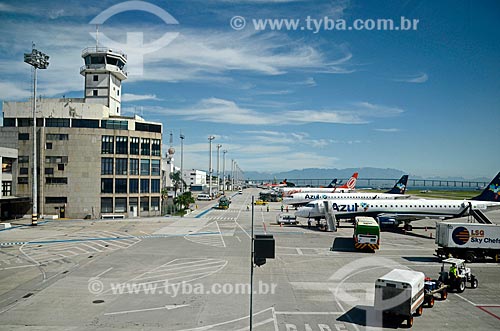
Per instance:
{"type": "Point", "coordinates": [468, 241]}
{"type": "Point", "coordinates": [398, 295]}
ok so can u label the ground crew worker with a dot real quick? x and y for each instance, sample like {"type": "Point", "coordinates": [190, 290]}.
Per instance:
{"type": "Point", "coordinates": [268, 208]}
{"type": "Point", "coordinates": [453, 271]}
{"type": "Point", "coordinates": [248, 208]}
{"type": "Point", "coordinates": [281, 208]}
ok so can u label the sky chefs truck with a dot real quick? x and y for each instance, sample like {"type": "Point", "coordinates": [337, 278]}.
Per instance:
{"type": "Point", "coordinates": [398, 295]}
{"type": "Point", "coordinates": [366, 233]}
{"type": "Point", "coordinates": [468, 241]}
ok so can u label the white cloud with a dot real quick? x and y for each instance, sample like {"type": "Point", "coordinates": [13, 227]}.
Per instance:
{"type": "Point", "coordinates": [388, 130]}
{"type": "Point", "coordinates": [217, 110]}
{"type": "Point", "coordinates": [418, 79]}
{"type": "Point", "coordinates": [138, 97]}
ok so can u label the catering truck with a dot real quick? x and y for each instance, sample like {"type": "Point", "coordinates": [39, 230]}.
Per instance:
{"type": "Point", "coordinates": [398, 295]}
{"type": "Point", "coordinates": [468, 241]}
{"type": "Point", "coordinates": [366, 234]}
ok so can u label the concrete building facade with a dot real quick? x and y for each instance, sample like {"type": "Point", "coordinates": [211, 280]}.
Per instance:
{"type": "Point", "coordinates": [92, 161]}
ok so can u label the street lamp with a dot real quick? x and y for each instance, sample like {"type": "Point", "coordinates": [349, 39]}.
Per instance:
{"type": "Point", "coordinates": [210, 138]}
{"type": "Point", "coordinates": [38, 60]}
{"type": "Point", "coordinates": [224, 171]}
{"type": "Point", "coordinates": [182, 161]}
{"type": "Point", "coordinates": [218, 173]}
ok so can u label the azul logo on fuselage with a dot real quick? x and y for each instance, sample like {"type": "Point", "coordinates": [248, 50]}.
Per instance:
{"type": "Point", "coordinates": [315, 196]}
{"type": "Point", "coordinates": [345, 207]}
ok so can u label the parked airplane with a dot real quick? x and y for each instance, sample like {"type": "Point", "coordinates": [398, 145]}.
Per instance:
{"type": "Point", "coordinates": [350, 185]}
{"type": "Point", "coordinates": [284, 183]}
{"type": "Point", "coordinates": [301, 199]}
{"type": "Point", "coordinates": [405, 211]}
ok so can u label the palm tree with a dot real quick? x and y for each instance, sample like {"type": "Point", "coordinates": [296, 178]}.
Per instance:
{"type": "Point", "coordinates": [176, 178]}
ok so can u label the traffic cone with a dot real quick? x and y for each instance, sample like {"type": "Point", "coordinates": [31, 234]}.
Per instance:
{"type": "Point", "coordinates": [430, 235]}
{"type": "Point", "coordinates": [426, 229]}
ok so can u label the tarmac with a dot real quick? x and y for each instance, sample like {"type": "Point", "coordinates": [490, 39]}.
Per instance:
{"type": "Point", "coordinates": [193, 273]}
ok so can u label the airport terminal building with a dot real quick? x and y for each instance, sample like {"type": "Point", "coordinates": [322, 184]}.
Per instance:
{"type": "Point", "coordinates": [91, 161]}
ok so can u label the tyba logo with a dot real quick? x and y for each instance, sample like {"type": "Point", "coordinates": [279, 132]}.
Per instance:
{"type": "Point", "coordinates": [460, 235]}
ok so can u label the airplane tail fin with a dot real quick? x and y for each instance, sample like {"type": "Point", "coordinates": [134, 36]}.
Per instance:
{"type": "Point", "coordinates": [351, 183]}
{"type": "Point", "coordinates": [491, 192]}
{"type": "Point", "coordinates": [333, 183]}
{"type": "Point", "coordinates": [400, 187]}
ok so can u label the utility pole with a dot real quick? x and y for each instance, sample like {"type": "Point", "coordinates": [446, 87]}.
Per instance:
{"type": "Point", "coordinates": [210, 138]}
{"type": "Point", "coordinates": [224, 171]}
{"type": "Point", "coordinates": [181, 136]}
{"type": "Point", "coordinates": [218, 173]}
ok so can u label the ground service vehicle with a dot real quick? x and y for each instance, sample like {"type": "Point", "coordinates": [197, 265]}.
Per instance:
{"type": "Point", "coordinates": [398, 295]}
{"type": "Point", "coordinates": [223, 203]}
{"type": "Point", "coordinates": [463, 276]}
{"type": "Point", "coordinates": [468, 241]}
{"type": "Point", "coordinates": [203, 196]}
{"type": "Point", "coordinates": [260, 202]}
{"type": "Point", "coordinates": [431, 287]}
{"type": "Point", "coordinates": [286, 218]}
{"type": "Point", "coordinates": [366, 233]}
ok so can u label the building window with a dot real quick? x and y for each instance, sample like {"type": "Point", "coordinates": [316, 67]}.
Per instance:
{"type": "Point", "coordinates": [57, 123]}
{"type": "Point", "coordinates": [24, 122]}
{"type": "Point", "coordinates": [121, 185]}
{"type": "Point", "coordinates": [155, 186]}
{"type": "Point", "coordinates": [9, 122]}
{"type": "Point", "coordinates": [48, 145]}
{"type": "Point", "coordinates": [144, 203]}
{"type": "Point", "coordinates": [106, 205]}
{"type": "Point", "coordinates": [145, 146]}
{"type": "Point", "coordinates": [23, 159]}
{"type": "Point", "coordinates": [80, 123]}
{"type": "Point", "coordinates": [6, 189]}
{"type": "Point", "coordinates": [106, 166]}
{"type": "Point", "coordinates": [56, 180]}
{"type": "Point", "coordinates": [121, 145]}
{"type": "Point", "coordinates": [56, 136]}
{"type": "Point", "coordinates": [155, 167]}
{"type": "Point", "coordinates": [144, 185]}
{"type": "Point", "coordinates": [120, 205]}
{"type": "Point", "coordinates": [22, 180]}
{"type": "Point", "coordinates": [144, 167]}
{"type": "Point", "coordinates": [107, 145]}
{"type": "Point", "coordinates": [7, 166]}
{"type": "Point", "coordinates": [49, 171]}
{"type": "Point", "coordinates": [114, 124]}
{"type": "Point", "coordinates": [107, 185]}
{"type": "Point", "coordinates": [134, 166]}
{"type": "Point", "coordinates": [96, 78]}
{"type": "Point", "coordinates": [23, 136]}
{"type": "Point", "coordinates": [156, 147]}
{"type": "Point", "coordinates": [133, 185]}
{"type": "Point", "coordinates": [56, 159]}
{"type": "Point", "coordinates": [147, 127]}
{"type": "Point", "coordinates": [134, 146]}
{"type": "Point", "coordinates": [121, 166]}
{"type": "Point", "coordinates": [118, 92]}
{"type": "Point", "coordinates": [155, 203]}
{"type": "Point", "coordinates": [60, 167]}
{"type": "Point", "coordinates": [94, 93]}
{"type": "Point", "coordinates": [23, 171]}
{"type": "Point", "coordinates": [56, 200]}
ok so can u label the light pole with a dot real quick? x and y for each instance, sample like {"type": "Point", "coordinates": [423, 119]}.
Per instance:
{"type": "Point", "coordinates": [218, 173]}
{"type": "Point", "coordinates": [224, 171]}
{"type": "Point", "coordinates": [38, 60]}
{"type": "Point", "coordinates": [182, 161]}
{"type": "Point", "coordinates": [232, 174]}
{"type": "Point", "coordinates": [210, 138]}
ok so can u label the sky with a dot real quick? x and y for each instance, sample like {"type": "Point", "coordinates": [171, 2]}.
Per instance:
{"type": "Point", "coordinates": [425, 100]}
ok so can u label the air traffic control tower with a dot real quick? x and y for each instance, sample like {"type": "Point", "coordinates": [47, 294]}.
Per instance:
{"type": "Point", "coordinates": [104, 73]}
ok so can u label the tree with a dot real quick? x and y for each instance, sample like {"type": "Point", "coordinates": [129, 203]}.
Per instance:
{"type": "Point", "coordinates": [177, 180]}
{"type": "Point", "coordinates": [184, 200]}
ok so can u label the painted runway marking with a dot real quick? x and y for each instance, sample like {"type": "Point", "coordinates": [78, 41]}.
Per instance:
{"type": "Point", "coordinates": [167, 307]}
{"type": "Point", "coordinates": [209, 235]}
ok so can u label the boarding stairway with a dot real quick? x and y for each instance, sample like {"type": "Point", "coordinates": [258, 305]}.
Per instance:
{"type": "Point", "coordinates": [479, 216]}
